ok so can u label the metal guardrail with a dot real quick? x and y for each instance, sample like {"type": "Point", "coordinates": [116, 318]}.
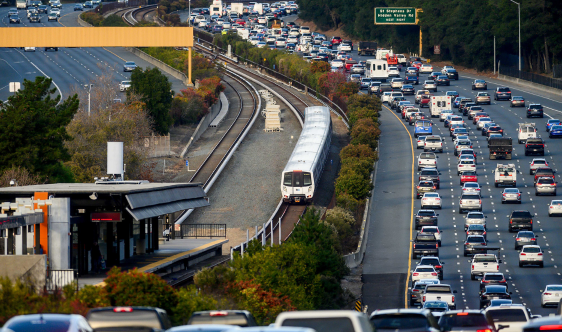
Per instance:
{"type": "Point", "coordinates": [532, 77]}
{"type": "Point", "coordinates": [201, 230]}
{"type": "Point", "coordinates": [57, 279]}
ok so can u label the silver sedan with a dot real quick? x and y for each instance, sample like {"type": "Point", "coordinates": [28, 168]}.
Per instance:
{"type": "Point", "coordinates": [471, 187]}
{"type": "Point", "coordinates": [511, 195]}
{"type": "Point", "coordinates": [536, 163]}
{"type": "Point", "coordinates": [555, 208]}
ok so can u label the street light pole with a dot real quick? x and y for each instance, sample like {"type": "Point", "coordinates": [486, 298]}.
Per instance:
{"type": "Point", "coordinates": [189, 18]}
{"type": "Point", "coordinates": [89, 90]}
{"type": "Point", "coordinates": [519, 9]}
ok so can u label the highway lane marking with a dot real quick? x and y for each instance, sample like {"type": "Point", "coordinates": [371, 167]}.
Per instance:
{"type": "Point", "coordinates": [406, 300]}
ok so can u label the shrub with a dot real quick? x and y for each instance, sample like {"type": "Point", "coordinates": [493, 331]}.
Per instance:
{"type": "Point", "coordinates": [365, 132]}
{"type": "Point", "coordinates": [357, 165]}
{"type": "Point", "coordinates": [93, 296]}
{"type": "Point", "coordinates": [346, 201]}
{"type": "Point", "coordinates": [344, 223]}
{"type": "Point", "coordinates": [319, 67]}
{"type": "Point", "coordinates": [113, 21]}
{"type": "Point", "coordinates": [363, 101]}
{"type": "Point", "coordinates": [189, 301]}
{"type": "Point", "coordinates": [128, 288]}
{"type": "Point", "coordinates": [362, 113]}
{"type": "Point", "coordinates": [361, 151]}
{"type": "Point", "coordinates": [354, 184]}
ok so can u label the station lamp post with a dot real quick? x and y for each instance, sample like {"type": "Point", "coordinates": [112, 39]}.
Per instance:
{"type": "Point", "coordinates": [519, 9]}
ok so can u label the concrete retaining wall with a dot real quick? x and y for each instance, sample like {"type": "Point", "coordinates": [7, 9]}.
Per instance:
{"type": "Point", "coordinates": [529, 84]}
{"type": "Point", "coordinates": [160, 65]}
{"type": "Point", "coordinates": [26, 268]}
{"type": "Point", "coordinates": [205, 121]}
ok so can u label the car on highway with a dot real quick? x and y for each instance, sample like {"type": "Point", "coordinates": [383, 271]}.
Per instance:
{"type": "Point", "coordinates": [56, 4]}
{"type": "Point", "coordinates": [79, 7]}
{"type": "Point", "coordinates": [511, 195]}
{"type": "Point", "coordinates": [129, 66]}
{"type": "Point", "coordinates": [555, 208]}
{"type": "Point", "coordinates": [124, 85]}
{"type": "Point", "coordinates": [517, 101]}
{"type": "Point", "coordinates": [474, 218]}
{"type": "Point", "coordinates": [479, 85]}
{"type": "Point", "coordinates": [419, 94]}
{"type": "Point", "coordinates": [535, 110]}
{"type": "Point", "coordinates": [544, 172]}
{"type": "Point", "coordinates": [423, 272]}
{"type": "Point", "coordinates": [493, 292]}
{"type": "Point", "coordinates": [461, 144]}
{"type": "Point", "coordinates": [42, 9]}
{"type": "Point", "coordinates": [531, 255]}
{"type": "Point", "coordinates": [47, 322]}
{"type": "Point", "coordinates": [551, 295]}
{"type": "Point", "coordinates": [445, 68]}
{"type": "Point", "coordinates": [427, 159]}
{"type": "Point", "coordinates": [424, 187]}
{"type": "Point", "coordinates": [407, 89]}
{"type": "Point", "coordinates": [453, 94]}
{"type": "Point", "coordinates": [477, 230]}
{"type": "Point", "coordinates": [524, 238]}
{"type": "Point", "coordinates": [555, 131]}
{"type": "Point", "coordinates": [426, 68]}
{"type": "Point", "coordinates": [430, 200]}
{"type": "Point", "coordinates": [469, 177]}
{"type": "Point", "coordinates": [416, 291]}
{"type": "Point", "coordinates": [430, 85]}
{"type": "Point", "coordinates": [88, 4]}
{"type": "Point", "coordinates": [34, 18]}
{"type": "Point", "coordinates": [403, 320]}
{"type": "Point", "coordinates": [52, 16]}
{"type": "Point", "coordinates": [397, 83]}
{"type": "Point", "coordinates": [470, 202]}
{"type": "Point", "coordinates": [520, 219]}
{"type": "Point", "coordinates": [483, 98]}
{"type": "Point", "coordinates": [466, 165]}
{"type": "Point", "coordinates": [495, 129]}
{"type": "Point", "coordinates": [421, 142]}
{"type": "Point", "coordinates": [465, 320]}
{"type": "Point", "coordinates": [471, 188]}
{"type": "Point", "coordinates": [345, 47]}
{"type": "Point", "coordinates": [12, 11]}
{"type": "Point", "coordinates": [499, 302]}
{"type": "Point", "coordinates": [492, 278]}
{"type": "Point", "coordinates": [393, 72]}
{"type": "Point", "coordinates": [509, 317]}
{"type": "Point", "coordinates": [452, 74]}
{"type": "Point", "coordinates": [358, 69]}
{"type": "Point", "coordinates": [444, 114]}
{"type": "Point", "coordinates": [412, 71]}
{"type": "Point", "coordinates": [545, 185]}
{"type": "Point", "coordinates": [56, 11]}
{"type": "Point", "coordinates": [14, 19]}
{"type": "Point", "coordinates": [435, 231]}
{"type": "Point", "coordinates": [552, 122]}
{"type": "Point", "coordinates": [502, 93]}
{"type": "Point", "coordinates": [437, 308]}
{"type": "Point", "coordinates": [442, 80]}
{"type": "Point", "coordinates": [425, 218]}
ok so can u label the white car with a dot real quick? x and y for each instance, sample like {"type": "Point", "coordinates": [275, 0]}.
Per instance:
{"type": "Point", "coordinates": [474, 218]}
{"type": "Point", "coordinates": [393, 72]}
{"type": "Point", "coordinates": [426, 68]}
{"type": "Point", "coordinates": [337, 63]}
{"type": "Point", "coordinates": [220, 21]}
{"type": "Point", "coordinates": [344, 47]}
{"type": "Point", "coordinates": [294, 32]}
{"type": "Point", "coordinates": [421, 142]}
{"type": "Point", "coordinates": [226, 25]}
{"type": "Point", "coordinates": [281, 42]}
{"type": "Point", "coordinates": [29, 49]}
{"type": "Point", "coordinates": [444, 114]}
{"type": "Point", "coordinates": [124, 85]}
{"type": "Point", "coordinates": [430, 85]}
{"type": "Point", "coordinates": [424, 272]}
{"type": "Point", "coordinates": [445, 68]}
{"type": "Point", "coordinates": [397, 83]}
{"type": "Point", "coordinates": [385, 98]}
{"type": "Point", "coordinates": [202, 23]}
{"type": "Point", "coordinates": [254, 40]}
{"type": "Point", "coordinates": [198, 18]}
{"type": "Point", "coordinates": [270, 39]}
{"type": "Point", "coordinates": [471, 188]}
{"type": "Point", "coordinates": [261, 44]}
{"type": "Point", "coordinates": [292, 39]}
{"type": "Point", "coordinates": [56, 11]}
{"type": "Point", "coordinates": [551, 295]}
{"type": "Point", "coordinates": [433, 229]}
{"type": "Point", "coordinates": [262, 20]}
{"type": "Point", "coordinates": [555, 208]}
{"type": "Point", "coordinates": [531, 255]}
{"type": "Point", "coordinates": [466, 165]}
{"type": "Point", "coordinates": [431, 200]}
{"type": "Point", "coordinates": [482, 121]}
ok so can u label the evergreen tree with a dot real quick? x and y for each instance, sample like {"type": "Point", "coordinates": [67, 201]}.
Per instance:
{"type": "Point", "coordinates": [157, 94]}
{"type": "Point", "coordinates": [34, 130]}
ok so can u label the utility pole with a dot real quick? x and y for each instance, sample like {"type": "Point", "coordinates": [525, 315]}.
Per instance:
{"type": "Point", "coordinates": [89, 91]}
{"type": "Point", "coordinates": [494, 54]}
{"type": "Point", "coordinates": [519, 9]}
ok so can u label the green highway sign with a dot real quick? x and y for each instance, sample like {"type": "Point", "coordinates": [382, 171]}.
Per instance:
{"type": "Point", "coordinates": [395, 15]}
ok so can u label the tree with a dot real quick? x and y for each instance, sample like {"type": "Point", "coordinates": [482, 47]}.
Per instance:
{"type": "Point", "coordinates": [319, 67]}
{"type": "Point", "coordinates": [361, 151]}
{"type": "Point", "coordinates": [20, 175]}
{"type": "Point", "coordinates": [156, 92]}
{"type": "Point", "coordinates": [365, 132]}
{"type": "Point", "coordinates": [354, 184]}
{"type": "Point", "coordinates": [34, 130]}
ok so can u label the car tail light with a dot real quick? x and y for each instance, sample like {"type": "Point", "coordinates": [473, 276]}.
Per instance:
{"type": "Point", "coordinates": [498, 267]}
{"type": "Point", "coordinates": [438, 199]}
{"type": "Point", "coordinates": [547, 293]}
{"type": "Point", "coordinates": [218, 313]}
{"type": "Point", "coordinates": [510, 221]}
{"type": "Point", "coordinates": [518, 239]}
{"type": "Point", "coordinates": [523, 254]}
{"type": "Point", "coordinates": [416, 274]}
{"type": "Point", "coordinates": [122, 309]}
{"type": "Point", "coordinates": [539, 254]}
{"type": "Point", "coordinates": [503, 194]}
{"type": "Point", "coordinates": [436, 246]}
{"type": "Point", "coordinates": [462, 314]}
{"type": "Point", "coordinates": [480, 201]}
{"type": "Point", "coordinates": [424, 298]}
{"type": "Point", "coordinates": [533, 239]}
{"type": "Point", "coordinates": [453, 299]}
{"type": "Point", "coordinates": [485, 281]}
{"type": "Point", "coordinates": [484, 330]}
{"type": "Point", "coordinates": [415, 290]}
{"type": "Point", "coordinates": [433, 187]}
{"type": "Point", "coordinates": [472, 266]}
{"type": "Point", "coordinates": [438, 266]}
{"type": "Point", "coordinates": [531, 221]}
{"type": "Point", "coordinates": [484, 243]}
{"type": "Point", "coordinates": [414, 246]}
{"type": "Point", "coordinates": [434, 274]}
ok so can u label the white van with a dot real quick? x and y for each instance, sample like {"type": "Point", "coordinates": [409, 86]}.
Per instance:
{"type": "Point", "coordinates": [376, 70]}
{"type": "Point", "coordinates": [526, 130]}
{"type": "Point", "coordinates": [216, 8]}
{"type": "Point", "coordinates": [438, 104]}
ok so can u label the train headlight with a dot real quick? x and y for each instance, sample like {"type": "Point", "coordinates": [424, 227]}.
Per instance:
{"type": "Point", "coordinates": [284, 188]}
{"type": "Point", "coordinates": [310, 189]}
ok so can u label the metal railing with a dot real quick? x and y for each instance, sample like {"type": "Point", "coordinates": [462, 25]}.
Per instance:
{"type": "Point", "coordinates": [201, 230]}
{"type": "Point", "coordinates": [57, 279]}
{"type": "Point", "coordinates": [532, 77]}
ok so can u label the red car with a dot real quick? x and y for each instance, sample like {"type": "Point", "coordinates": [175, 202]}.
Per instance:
{"type": "Point", "coordinates": [241, 22]}
{"type": "Point", "coordinates": [349, 64]}
{"type": "Point", "coordinates": [336, 40]}
{"type": "Point", "coordinates": [468, 176]}
{"type": "Point", "coordinates": [477, 117]}
{"type": "Point", "coordinates": [417, 64]}
{"type": "Point", "coordinates": [425, 100]}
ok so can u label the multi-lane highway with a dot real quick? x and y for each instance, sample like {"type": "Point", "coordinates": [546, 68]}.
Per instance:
{"type": "Point", "coordinates": [387, 261]}
{"type": "Point", "coordinates": [69, 67]}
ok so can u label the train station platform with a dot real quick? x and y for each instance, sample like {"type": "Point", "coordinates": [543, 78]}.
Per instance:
{"type": "Point", "coordinates": [178, 258]}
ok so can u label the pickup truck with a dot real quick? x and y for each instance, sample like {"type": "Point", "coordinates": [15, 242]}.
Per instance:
{"type": "Point", "coordinates": [440, 292]}
{"type": "Point", "coordinates": [427, 159]}
{"type": "Point", "coordinates": [505, 174]}
{"type": "Point", "coordinates": [509, 318]}
{"type": "Point", "coordinates": [534, 146]}
{"type": "Point", "coordinates": [482, 263]}
{"type": "Point", "coordinates": [425, 244]}
{"type": "Point", "coordinates": [433, 143]}
{"type": "Point", "coordinates": [520, 219]}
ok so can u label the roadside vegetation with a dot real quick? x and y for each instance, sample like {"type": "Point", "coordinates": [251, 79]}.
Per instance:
{"type": "Point", "coordinates": [464, 30]}
{"type": "Point", "coordinates": [98, 20]}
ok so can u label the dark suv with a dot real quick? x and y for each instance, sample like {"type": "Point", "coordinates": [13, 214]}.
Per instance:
{"type": "Point", "coordinates": [492, 278]}
{"type": "Point", "coordinates": [435, 262]}
{"type": "Point", "coordinates": [544, 172]}
{"type": "Point", "coordinates": [534, 146]}
{"type": "Point", "coordinates": [502, 93]}
{"type": "Point", "coordinates": [493, 292]}
{"type": "Point", "coordinates": [242, 318]}
{"type": "Point", "coordinates": [520, 219]}
{"type": "Point", "coordinates": [424, 187]}
{"type": "Point", "coordinates": [430, 174]}
{"type": "Point", "coordinates": [535, 110]}
{"type": "Point", "coordinates": [466, 321]}
{"type": "Point", "coordinates": [426, 218]}
{"type": "Point", "coordinates": [397, 320]}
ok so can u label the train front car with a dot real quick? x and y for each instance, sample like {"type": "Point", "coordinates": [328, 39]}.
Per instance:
{"type": "Point", "coordinates": [304, 168]}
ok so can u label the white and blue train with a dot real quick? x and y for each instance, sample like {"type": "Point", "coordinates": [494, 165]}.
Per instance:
{"type": "Point", "coordinates": [303, 170]}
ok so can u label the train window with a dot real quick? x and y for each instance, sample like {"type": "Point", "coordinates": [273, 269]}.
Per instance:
{"type": "Point", "coordinates": [307, 179]}
{"type": "Point", "coordinates": [288, 179]}
{"type": "Point", "coordinates": [297, 179]}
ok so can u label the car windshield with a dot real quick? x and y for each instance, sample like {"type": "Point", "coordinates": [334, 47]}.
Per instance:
{"type": "Point", "coordinates": [535, 107]}
{"type": "Point", "coordinates": [521, 214]}
{"type": "Point", "coordinates": [430, 195]}
{"type": "Point", "coordinates": [511, 191]}
{"type": "Point", "coordinates": [426, 213]}
{"type": "Point", "coordinates": [532, 250]}
{"type": "Point", "coordinates": [400, 321]}
{"type": "Point", "coordinates": [475, 239]}
{"type": "Point", "coordinates": [485, 259]}
{"type": "Point", "coordinates": [435, 304]}
{"type": "Point", "coordinates": [507, 315]}
{"type": "Point", "coordinates": [554, 288]}
{"type": "Point", "coordinates": [450, 321]}
{"type": "Point", "coordinates": [470, 184]}
{"type": "Point", "coordinates": [495, 277]}
{"type": "Point", "coordinates": [129, 63]}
